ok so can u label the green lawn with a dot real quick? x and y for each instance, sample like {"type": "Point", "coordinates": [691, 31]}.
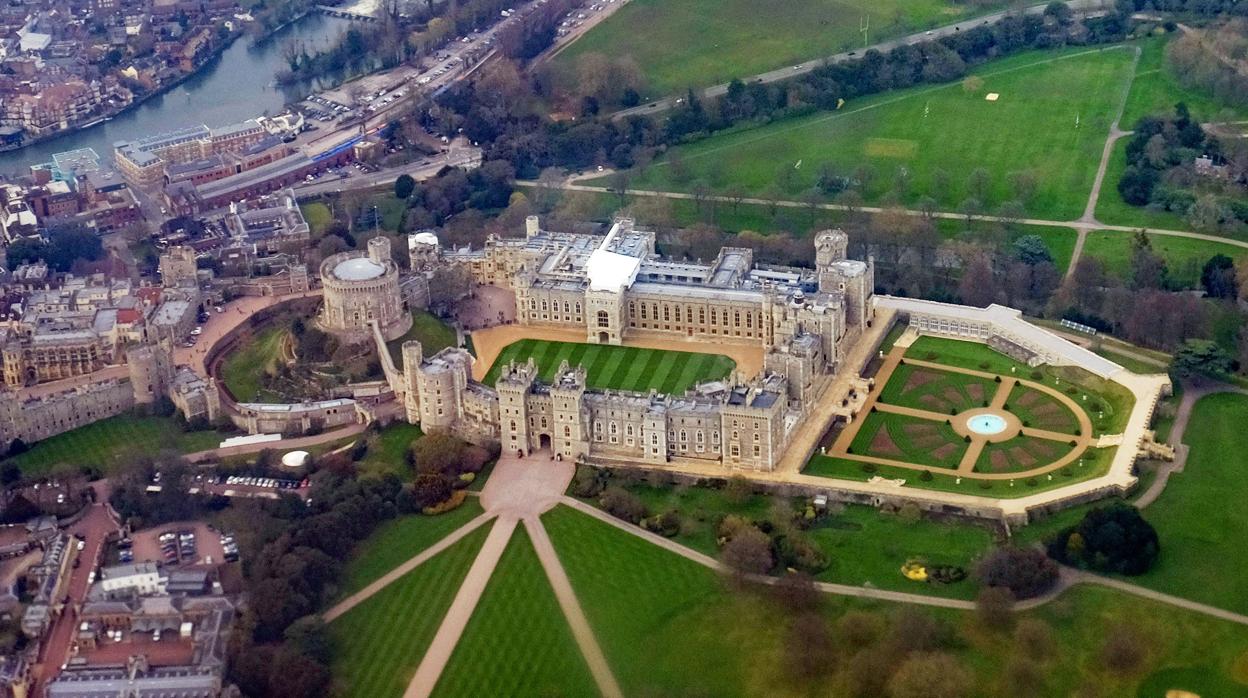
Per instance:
{"type": "Point", "coordinates": [1095, 463]}
{"type": "Point", "coordinates": [109, 443]}
{"type": "Point", "coordinates": [1040, 96]}
{"type": "Point", "coordinates": [388, 452]}
{"type": "Point", "coordinates": [908, 439]}
{"type": "Point", "coordinates": [1155, 90]}
{"type": "Point", "coordinates": [244, 368]}
{"type": "Point", "coordinates": [517, 642]}
{"type": "Point", "coordinates": [934, 390]}
{"type": "Point", "coordinates": [379, 644]}
{"type": "Point", "coordinates": [399, 539]}
{"type": "Point", "coordinates": [1107, 403]}
{"type": "Point", "coordinates": [669, 627]}
{"type": "Point", "coordinates": [1185, 257]}
{"type": "Point", "coordinates": [427, 328]}
{"type": "Point", "coordinates": [694, 43]}
{"type": "Point", "coordinates": [317, 215]}
{"type": "Point", "coordinates": [1200, 517]}
{"type": "Point", "coordinates": [618, 368]}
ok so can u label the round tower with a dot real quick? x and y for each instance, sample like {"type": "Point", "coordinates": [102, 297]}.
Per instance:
{"type": "Point", "coordinates": [379, 250]}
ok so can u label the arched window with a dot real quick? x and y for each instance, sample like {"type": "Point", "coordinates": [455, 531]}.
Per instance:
{"type": "Point", "coordinates": [603, 319]}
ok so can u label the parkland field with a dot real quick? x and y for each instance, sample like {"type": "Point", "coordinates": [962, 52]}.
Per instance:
{"type": "Point", "coordinates": [618, 368]}
{"type": "Point", "coordinates": [1050, 118]}
{"type": "Point", "coordinates": [695, 43]}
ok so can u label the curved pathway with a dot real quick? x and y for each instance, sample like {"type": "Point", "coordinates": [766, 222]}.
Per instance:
{"type": "Point", "coordinates": [1193, 391]}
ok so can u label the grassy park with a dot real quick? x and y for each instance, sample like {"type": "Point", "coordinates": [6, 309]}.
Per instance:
{"type": "Point", "coordinates": [517, 641]}
{"type": "Point", "coordinates": [617, 368]}
{"type": "Point", "coordinates": [639, 597]}
{"type": "Point", "coordinates": [945, 128]}
{"type": "Point", "coordinates": [399, 539]}
{"type": "Point", "coordinates": [109, 443]}
{"type": "Point", "coordinates": [378, 644]}
{"type": "Point", "coordinates": [696, 43]}
{"type": "Point", "coordinates": [1202, 542]}
{"type": "Point", "coordinates": [1185, 257]}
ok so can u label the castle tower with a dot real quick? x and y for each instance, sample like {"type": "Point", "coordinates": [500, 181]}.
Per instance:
{"type": "Point", "coordinates": [413, 356]}
{"type": "Point", "coordinates": [570, 433]}
{"type": "Point", "coordinates": [513, 388]}
{"type": "Point", "coordinates": [379, 250]}
{"type": "Point", "coordinates": [831, 246]}
{"type": "Point", "coordinates": [532, 226]}
{"type": "Point", "coordinates": [150, 373]}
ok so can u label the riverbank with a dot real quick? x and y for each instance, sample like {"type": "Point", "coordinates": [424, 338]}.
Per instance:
{"type": "Point", "coordinates": [234, 84]}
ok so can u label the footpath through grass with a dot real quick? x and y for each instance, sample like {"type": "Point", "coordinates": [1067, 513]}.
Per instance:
{"type": "Point", "coordinates": [671, 627]}
{"type": "Point", "coordinates": [617, 368]}
{"type": "Point", "coordinates": [696, 43]}
{"type": "Point", "coordinates": [1185, 257]}
{"type": "Point", "coordinates": [109, 443]}
{"type": "Point", "coordinates": [949, 133]}
{"type": "Point", "coordinates": [400, 539]}
{"type": "Point", "coordinates": [378, 644]}
{"type": "Point", "coordinates": [517, 642]}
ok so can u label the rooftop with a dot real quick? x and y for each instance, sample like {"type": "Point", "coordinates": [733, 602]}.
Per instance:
{"type": "Point", "coordinates": [358, 269]}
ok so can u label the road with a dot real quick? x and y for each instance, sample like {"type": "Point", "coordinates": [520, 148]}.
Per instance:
{"type": "Point", "coordinates": [883, 47]}
{"type": "Point", "coordinates": [94, 527]}
{"type": "Point", "coordinates": [420, 170]}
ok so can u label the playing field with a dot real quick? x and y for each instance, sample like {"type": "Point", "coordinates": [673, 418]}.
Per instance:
{"type": "Point", "coordinates": [1052, 119]}
{"type": "Point", "coordinates": [694, 43]}
{"type": "Point", "coordinates": [618, 368]}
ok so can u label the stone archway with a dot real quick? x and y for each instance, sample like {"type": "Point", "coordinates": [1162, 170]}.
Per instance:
{"type": "Point", "coordinates": [604, 337]}
{"type": "Point", "coordinates": [544, 442]}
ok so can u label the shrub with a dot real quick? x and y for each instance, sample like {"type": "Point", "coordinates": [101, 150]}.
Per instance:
{"type": "Point", "coordinates": [1032, 482]}
{"type": "Point", "coordinates": [1109, 539]}
{"type": "Point", "coordinates": [457, 498]}
{"type": "Point", "coordinates": [926, 476]}
{"type": "Point", "coordinates": [738, 490]}
{"type": "Point", "coordinates": [945, 574]}
{"type": "Point", "coordinates": [666, 524]}
{"type": "Point", "coordinates": [985, 484]}
{"type": "Point", "coordinates": [983, 364]}
{"type": "Point", "coordinates": [1024, 571]}
{"type": "Point", "coordinates": [749, 552]}
{"type": "Point", "coordinates": [870, 468]}
{"type": "Point", "coordinates": [996, 379]}
{"type": "Point", "coordinates": [589, 482]}
{"type": "Point", "coordinates": [801, 553]}
{"type": "Point", "coordinates": [967, 438]}
{"type": "Point", "coordinates": [622, 504]}
{"type": "Point", "coordinates": [1037, 376]}
{"type": "Point", "coordinates": [431, 489]}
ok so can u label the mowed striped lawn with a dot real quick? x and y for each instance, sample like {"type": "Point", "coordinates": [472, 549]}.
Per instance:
{"type": "Point", "coordinates": [618, 368]}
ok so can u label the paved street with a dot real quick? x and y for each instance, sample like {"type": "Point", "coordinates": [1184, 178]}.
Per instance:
{"type": "Point", "coordinates": [94, 527]}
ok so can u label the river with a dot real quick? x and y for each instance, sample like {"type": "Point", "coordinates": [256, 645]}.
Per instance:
{"type": "Point", "coordinates": [237, 85]}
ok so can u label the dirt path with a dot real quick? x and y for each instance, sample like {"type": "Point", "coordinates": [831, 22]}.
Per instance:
{"type": "Point", "coordinates": [393, 575]}
{"type": "Point", "coordinates": [456, 619]}
{"type": "Point", "coordinates": [584, 635]}
{"type": "Point", "coordinates": [490, 342]}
